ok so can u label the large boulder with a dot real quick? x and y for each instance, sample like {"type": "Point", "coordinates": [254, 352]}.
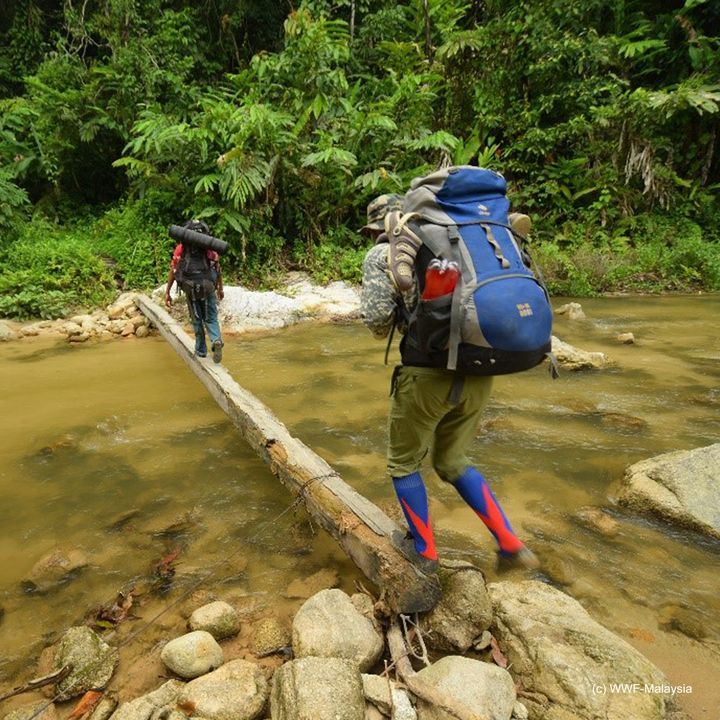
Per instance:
{"type": "Point", "coordinates": [682, 487]}
{"type": "Point", "coordinates": [463, 612]}
{"type": "Point", "coordinates": [92, 659]}
{"type": "Point", "coordinates": [487, 689]}
{"type": "Point", "coordinates": [317, 688]}
{"type": "Point", "coordinates": [570, 666]}
{"type": "Point", "coordinates": [329, 625]}
{"type": "Point", "coordinates": [236, 691]}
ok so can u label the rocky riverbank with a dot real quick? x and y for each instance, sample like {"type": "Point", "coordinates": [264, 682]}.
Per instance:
{"type": "Point", "coordinates": [504, 650]}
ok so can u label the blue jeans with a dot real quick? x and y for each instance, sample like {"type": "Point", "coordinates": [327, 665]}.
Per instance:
{"type": "Point", "coordinates": [203, 314]}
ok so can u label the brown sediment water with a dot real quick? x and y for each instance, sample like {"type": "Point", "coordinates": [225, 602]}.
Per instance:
{"type": "Point", "coordinates": [114, 450]}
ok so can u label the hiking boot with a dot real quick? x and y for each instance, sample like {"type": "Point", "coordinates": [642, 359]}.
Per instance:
{"type": "Point", "coordinates": [200, 354]}
{"type": "Point", "coordinates": [217, 347]}
{"type": "Point", "coordinates": [523, 558]}
{"type": "Point", "coordinates": [425, 565]}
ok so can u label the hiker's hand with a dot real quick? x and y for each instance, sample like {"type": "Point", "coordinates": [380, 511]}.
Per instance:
{"type": "Point", "coordinates": [168, 300]}
{"type": "Point", "coordinates": [221, 293]}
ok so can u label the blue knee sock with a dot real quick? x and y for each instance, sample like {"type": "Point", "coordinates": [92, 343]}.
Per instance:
{"type": "Point", "coordinates": [412, 495]}
{"type": "Point", "coordinates": [475, 491]}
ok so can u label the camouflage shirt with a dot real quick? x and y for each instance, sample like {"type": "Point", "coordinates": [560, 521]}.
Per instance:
{"type": "Point", "coordinates": [379, 296]}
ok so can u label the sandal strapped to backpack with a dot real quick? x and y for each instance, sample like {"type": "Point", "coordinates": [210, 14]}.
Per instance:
{"type": "Point", "coordinates": [403, 245]}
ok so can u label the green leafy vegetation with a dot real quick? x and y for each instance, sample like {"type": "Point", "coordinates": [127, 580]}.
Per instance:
{"type": "Point", "coordinates": [277, 124]}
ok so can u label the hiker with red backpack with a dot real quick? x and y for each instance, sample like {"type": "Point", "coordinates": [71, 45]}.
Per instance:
{"type": "Point", "coordinates": [450, 270]}
{"type": "Point", "coordinates": [196, 270]}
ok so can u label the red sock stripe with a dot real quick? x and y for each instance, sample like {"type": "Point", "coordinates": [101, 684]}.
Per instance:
{"type": "Point", "coordinates": [425, 532]}
{"type": "Point", "coordinates": [498, 526]}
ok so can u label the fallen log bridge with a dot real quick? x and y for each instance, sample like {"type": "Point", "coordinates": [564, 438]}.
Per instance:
{"type": "Point", "coordinates": [370, 538]}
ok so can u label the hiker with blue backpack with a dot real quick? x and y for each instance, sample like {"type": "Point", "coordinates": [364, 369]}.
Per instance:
{"type": "Point", "coordinates": [449, 269]}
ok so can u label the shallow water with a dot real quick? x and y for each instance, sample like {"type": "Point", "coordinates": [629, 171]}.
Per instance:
{"type": "Point", "coordinates": [115, 449]}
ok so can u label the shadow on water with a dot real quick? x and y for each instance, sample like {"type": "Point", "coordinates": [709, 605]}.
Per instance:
{"type": "Point", "coordinates": [128, 459]}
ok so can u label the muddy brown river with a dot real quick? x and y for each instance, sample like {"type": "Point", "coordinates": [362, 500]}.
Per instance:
{"type": "Point", "coordinates": [115, 453]}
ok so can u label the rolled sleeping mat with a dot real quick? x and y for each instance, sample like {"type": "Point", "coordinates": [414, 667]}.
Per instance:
{"type": "Point", "coordinates": [192, 237]}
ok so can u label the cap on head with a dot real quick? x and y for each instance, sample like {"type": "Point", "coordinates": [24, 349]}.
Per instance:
{"type": "Point", "coordinates": [378, 209]}
{"type": "Point", "coordinates": [197, 226]}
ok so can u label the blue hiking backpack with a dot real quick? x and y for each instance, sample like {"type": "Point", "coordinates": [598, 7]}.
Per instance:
{"type": "Point", "coordinates": [498, 319]}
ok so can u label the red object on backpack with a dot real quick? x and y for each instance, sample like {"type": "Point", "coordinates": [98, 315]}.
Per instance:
{"type": "Point", "coordinates": [440, 278]}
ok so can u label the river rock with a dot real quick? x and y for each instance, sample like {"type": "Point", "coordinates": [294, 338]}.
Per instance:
{"type": "Point", "coordinates": [573, 310]}
{"type": "Point", "coordinates": [626, 338]}
{"type": "Point", "coordinates": [54, 569]}
{"type": "Point", "coordinates": [595, 519]}
{"type": "Point", "coordinates": [71, 328]}
{"type": "Point", "coordinates": [488, 689]}
{"type": "Point", "coordinates": [682, 487]}
{"type": "Point", "coordinates": [572, 358]}
{"type": "Point", "coordinates": [192, 654]}
{"type": "Point", "coordinates": [218, 618]}
{"type": "Point", "coordinates": [142, 331]}
{"type": "Point", "coordinates": [270, 636]}
{"type": "Point", "coordinates": [144, 707]}
{"type": "Point", "coordinates": [329, 625]}
{"type": "Point", "coordinates": [7, 333]}
{"type": "Point", "coordinates": [566, 661]}
{"type": "Point", "coordinates": [37, 711]}
{"type": "Point", "coordinates": [93, 662]}
{"type": "Point", "coordinates": [319, 688]}
{"type": "Point", "coordinates": [29, 331]}
{"type": "Point", "coordinates": [236, 691]}
{"type": "Point", "coordinates": [383, 694]}
{"type": "Point", "coordinates": [463, 611]}
{"type": "Point", "coordinates": [308, 586]}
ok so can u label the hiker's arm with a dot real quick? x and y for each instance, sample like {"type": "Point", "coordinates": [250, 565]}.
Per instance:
{"type": "Point", "coordinates": [168, 286]}
{"type": "Point", "coordinates": [219, 284]}
{"type": "Point", "coordinates": [378, 297]}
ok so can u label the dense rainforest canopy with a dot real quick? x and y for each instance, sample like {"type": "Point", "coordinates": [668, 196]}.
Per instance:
{"type": "Point", "coordinates": [277, 122]}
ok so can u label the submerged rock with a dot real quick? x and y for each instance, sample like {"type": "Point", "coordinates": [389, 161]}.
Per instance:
{"type": "Point", "coordinates": [35, 711]}
{"type": "Point", "coordinates": [54, 569]}
{"type": "Point", "coordinates": [682, 487]}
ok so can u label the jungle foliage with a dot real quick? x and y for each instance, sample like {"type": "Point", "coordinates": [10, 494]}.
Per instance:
{"type": "Point", "coordinates": [278, 124]}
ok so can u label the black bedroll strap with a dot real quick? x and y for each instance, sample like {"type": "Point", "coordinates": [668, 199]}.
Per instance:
{"type": "Point", "coordinates": [454, 341]}
{"type": "Point", "coordinates": [554, 367]}
{"type": "Point", "coordinates": [456, 389]}
{"type": "Point", "coordinates": [390, 339]}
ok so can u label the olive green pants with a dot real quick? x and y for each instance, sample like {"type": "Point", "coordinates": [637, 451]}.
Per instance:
{"type": "Point", "coordinates": [422, 420]}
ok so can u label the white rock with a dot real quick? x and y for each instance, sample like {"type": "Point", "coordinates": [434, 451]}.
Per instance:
{"type": "Point", "coordinates": [218, 618]}
{"type": "Point", "coordinates": [192, 654]}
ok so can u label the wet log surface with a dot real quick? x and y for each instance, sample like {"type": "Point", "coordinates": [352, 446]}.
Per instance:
{"type": "Point", "coordinates": [369, 537]}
